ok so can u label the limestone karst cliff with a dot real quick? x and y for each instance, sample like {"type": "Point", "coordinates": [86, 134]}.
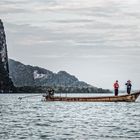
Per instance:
{"type": "Point", "coordinates": [6, 85]}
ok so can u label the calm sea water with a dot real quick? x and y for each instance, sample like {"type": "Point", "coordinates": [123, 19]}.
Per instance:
{"type": "Point", "coordinates": [33, 119]}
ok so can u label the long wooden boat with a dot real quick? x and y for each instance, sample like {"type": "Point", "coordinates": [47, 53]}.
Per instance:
{"type": "Point", "coordinates": [121, 98]}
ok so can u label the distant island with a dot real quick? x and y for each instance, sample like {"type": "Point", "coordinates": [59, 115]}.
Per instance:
{"type": "Point", "coordinates": [33, 79]}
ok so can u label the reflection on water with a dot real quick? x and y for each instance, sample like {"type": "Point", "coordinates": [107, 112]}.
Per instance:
{"type": "Point", "coordinates": [30, 118]}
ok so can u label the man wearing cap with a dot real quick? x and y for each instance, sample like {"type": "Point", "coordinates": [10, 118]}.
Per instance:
{"type": "Point", "coordinates": [128, 85]}
{"type": "Point", "coordinates": [116, 87]}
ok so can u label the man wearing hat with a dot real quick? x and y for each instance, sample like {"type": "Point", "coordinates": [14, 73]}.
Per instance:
{"type": "Point", "coordinates": [128, 85]}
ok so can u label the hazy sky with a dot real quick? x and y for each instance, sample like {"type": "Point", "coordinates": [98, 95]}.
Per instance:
{"type": "Point", "coordinates": [98, 41]}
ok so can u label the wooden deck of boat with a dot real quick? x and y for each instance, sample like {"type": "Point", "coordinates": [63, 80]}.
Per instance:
{"type": "Point", "coordinates": [121, 98]}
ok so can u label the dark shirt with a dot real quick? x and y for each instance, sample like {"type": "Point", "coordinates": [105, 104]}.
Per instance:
{"type": "Point", "coordinates": [128, 85]}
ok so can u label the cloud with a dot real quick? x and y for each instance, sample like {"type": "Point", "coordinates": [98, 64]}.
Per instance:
{"type": "Point", "coordinates": [8, 10]}
{"type": "Point", "coordinates": [84, 37]}
{"type": "Point", "coordinates": [12, 7]}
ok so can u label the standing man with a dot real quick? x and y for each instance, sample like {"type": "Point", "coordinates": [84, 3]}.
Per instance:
{"type": "Point", "coordinates": [128, 85]}
{"type": "Point", "coordinates": [116, 87]}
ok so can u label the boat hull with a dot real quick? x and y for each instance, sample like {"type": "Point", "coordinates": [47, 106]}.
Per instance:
{"type": "Point", "coordinates": [122, 98]}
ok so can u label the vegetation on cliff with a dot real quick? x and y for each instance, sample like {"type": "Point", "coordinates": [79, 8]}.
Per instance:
{"type": "Point", "coordinates": [32, 79]}
{"type": "Point", "coordinates": [6, 84]}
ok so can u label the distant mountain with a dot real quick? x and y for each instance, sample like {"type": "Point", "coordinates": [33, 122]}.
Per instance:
{"type": "Point", "coordinates": [26, 75]}
{"type": "Point", "coordinates": [36, 79]}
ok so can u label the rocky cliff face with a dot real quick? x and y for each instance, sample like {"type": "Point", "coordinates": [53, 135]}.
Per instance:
{"type": "Point", "coordinates": [25, 75]}
{"type": "Point", "coordinates": [6, 84]}
{"type": "Point", "coordinates": [3, 47]}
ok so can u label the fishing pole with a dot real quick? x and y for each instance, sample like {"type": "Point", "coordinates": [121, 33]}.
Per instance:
{"type": "Point", "coordinates": [49, 91]}
{"type": "Point", "coordinates": [28, 96]}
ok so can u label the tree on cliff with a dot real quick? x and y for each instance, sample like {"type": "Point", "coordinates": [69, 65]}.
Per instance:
{"type": "Point", "coordinates": [6, 84]}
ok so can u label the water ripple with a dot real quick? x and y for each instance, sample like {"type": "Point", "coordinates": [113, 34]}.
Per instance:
{"type": "Point", "coordinates": [32, 119]}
